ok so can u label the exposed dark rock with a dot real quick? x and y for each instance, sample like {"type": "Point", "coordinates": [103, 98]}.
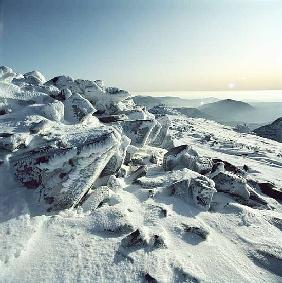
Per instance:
{"type": "Point", "coordinates": [200, 231]}
{"type": "Point", "coordinates": [229, 167]}
{"type": "Point", "coordinates": [109, 118]}
{"type": "Point", "coordinates": [138, 173]}
{"type": "Point", "coordinates": [270, 190]}
{"type": "Point", "coordinates": [149, 279]}
{"type": "Point", "coordinates": [133, 239]}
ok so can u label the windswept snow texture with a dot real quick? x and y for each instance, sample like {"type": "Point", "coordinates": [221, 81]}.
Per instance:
{"type": "Point", "coordinates": [97, 189]}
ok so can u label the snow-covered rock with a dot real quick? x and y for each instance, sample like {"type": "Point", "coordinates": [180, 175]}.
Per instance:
{"type": "Point", "coordinates": [228, 182]}
{"type": "Point", "coordinates": [6, 74]}
{"type": "Point", "coordinates": [185, 157]}
{"type": "Point", "coordinates": [33, 78]}
{"type": "Point", "coordinates": [65, 169]}
{"type": "Point", "coordinates": [139, 131]}
{"type": "Point", "coordinates": [185, 184]}
{"type": "Point", "coordinates": [95, 198]}
{"type": "Point", "coordinates": [76, 108]}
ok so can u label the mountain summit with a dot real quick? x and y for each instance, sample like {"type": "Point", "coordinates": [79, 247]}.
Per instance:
{"type": "Point", "coordinates": [228, 110]}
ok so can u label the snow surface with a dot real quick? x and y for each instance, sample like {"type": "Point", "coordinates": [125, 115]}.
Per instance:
{"type": "Point", "coordinates": [141, 233]}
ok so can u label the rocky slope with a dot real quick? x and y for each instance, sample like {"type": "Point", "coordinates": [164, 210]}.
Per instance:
{"type": "Point", "coordinates": [97, 189]}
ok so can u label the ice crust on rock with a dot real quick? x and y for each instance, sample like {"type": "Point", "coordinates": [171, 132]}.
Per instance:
{"type": "Point", "coordinates": [228, 182]}
{"type": "Point", "coordinates": [59, 147]}
{"type": "Point", "coordinates": [185, 184]}
{"type": "Point", "coordinates": [185, 157]}
{"type": "Point", "coordinates": [76, 108]}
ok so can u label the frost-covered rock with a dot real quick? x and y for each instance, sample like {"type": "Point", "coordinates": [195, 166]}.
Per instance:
{"type": "Point", "coordinates": [62, 160]}
{"type": "Point", "coordinates": [117, 159]}
{"type": "Point", "coordinates": [53, 111]}
{"type": "Point", "coordinates": [34, 78]}
{"type": "Point", "coordinates": [52, 143]}
{"type": "Point", "coordinates": [63, 172]}
{"type": "Point", "coordinates": [185, 157]}
{"type": "Point", "coordinates": [228, 182]}
{"type": "Point", "coordinates": [163, 138]}
{"type": "Point", "coordinates": [225, 165]}
{"type": "Point", "coordinates": [96, 198]}
{"type": "Point", "coordinates": [77, 108]}
{"type": "Point", "coordinates": [185, 184]}
{"type": "Point", "coordinates": [6, 74]}
{"type": "Point", "coordinates": [91, 90]}
{"type": "Point", "coordinates": [11, 141]}
{"type": "Point", "coordinates": [200, 190]}
{"type": "Point", "coordinates": [140, 132]}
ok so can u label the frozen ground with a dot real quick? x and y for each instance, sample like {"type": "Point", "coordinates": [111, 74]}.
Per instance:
{"type": "Point", "coordinates": [141, 232]}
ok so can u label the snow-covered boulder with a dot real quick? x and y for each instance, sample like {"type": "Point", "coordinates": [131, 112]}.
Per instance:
{"type": "Point", "coordinates": [200, 190]}
{"type": "Point", "coordinates": [185, 157]}
{"type": "Point", "coordinates": [91, 90]}
{"type": "Point", "coordinates": [185, 184]}
{"type": "Point", "coordinates": [95, 198]}
{"type": "Point", "coordinates": [6, 74]}
{"type": "Point", "coordinates": [64, 171]}
{"type": "Point", "coordinates": [140, 132]}
{"type": "Point", "coordinates": [34, 77]}
{"type": "Point", "coordinates": [229, 182]}
{"type": "Point", "coordinates": [53, 111]}
{"type": "Point", "coordinates": [77, 108]}
{"type": "Point", "coordinates": [163, 138]}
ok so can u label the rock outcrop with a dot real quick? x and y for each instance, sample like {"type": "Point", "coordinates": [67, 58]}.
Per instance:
{"type": "Point", "coordinates": [184, 156]}
{"type": "Point", "coordinates": [54, 138]}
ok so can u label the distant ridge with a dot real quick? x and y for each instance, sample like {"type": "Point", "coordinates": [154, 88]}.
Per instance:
{"type": "Point", "coordinates": [272, 131]}
{"type": "Point", "coordinates": [172, 101]}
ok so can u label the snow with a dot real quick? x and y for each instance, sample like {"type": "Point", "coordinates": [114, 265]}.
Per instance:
{"type": "Point", "coordinates": [137, 222]}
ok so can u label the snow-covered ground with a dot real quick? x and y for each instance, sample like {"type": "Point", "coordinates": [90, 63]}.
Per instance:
{"type": "Point", "coordinates": [144, 232]}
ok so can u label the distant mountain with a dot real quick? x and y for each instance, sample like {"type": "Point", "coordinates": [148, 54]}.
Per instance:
{"type": "Point", "coordinates": [171, 101]}
{"type": "Point", "coordinates": [228, 110]}
{"type": "Point", "coordinates": [272, 131]}
{"type": "Point", "coordinates": [189, 112]}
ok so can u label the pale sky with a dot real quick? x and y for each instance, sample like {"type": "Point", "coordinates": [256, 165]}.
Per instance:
{"type": "Point", "coordinates": [148, 45]}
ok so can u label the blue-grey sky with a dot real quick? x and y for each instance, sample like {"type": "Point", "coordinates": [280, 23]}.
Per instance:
{"type": "Point", "coordinates": [147, 45]}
